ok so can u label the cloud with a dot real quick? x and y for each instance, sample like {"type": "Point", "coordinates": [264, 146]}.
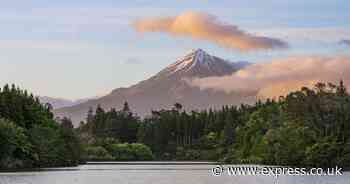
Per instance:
{"type": "Point", "coordinates": [204, 26]}
{"type": "Point", "coordinates": [345, 42]}
{"type": "Point", "coordinates": [279, 77]}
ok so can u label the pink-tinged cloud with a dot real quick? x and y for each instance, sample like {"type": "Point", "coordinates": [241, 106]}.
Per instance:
{"type": "Point", "coordinates": [279, 77]}
{"type": "Point", "coordinates": [204, 26]}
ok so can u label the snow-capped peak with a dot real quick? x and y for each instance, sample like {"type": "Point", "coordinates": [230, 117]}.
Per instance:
{"type": "Point", "coordinates": [195, 57]}
{"type": "Point", "coordinates": [198, 63]}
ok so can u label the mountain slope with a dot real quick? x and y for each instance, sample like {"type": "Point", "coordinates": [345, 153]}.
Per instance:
{"type": "Point", "coordinates": [61, 102]}
{"type": "Point", "coordinates": [168, 87]}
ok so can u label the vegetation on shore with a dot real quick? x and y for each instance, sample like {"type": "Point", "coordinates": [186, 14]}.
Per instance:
{"type": "Point", "coordinates": [30, 136]}
{"type": "Point", "coordinates": [309, 128]}
{"type": "Point", "coordinates": [306, 128]}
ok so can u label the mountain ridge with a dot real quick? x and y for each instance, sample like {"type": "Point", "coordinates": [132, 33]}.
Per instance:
{"type": "Point", "coordinates": [57, 103]}
{"type": "Point", "coordinates": [168, 87]}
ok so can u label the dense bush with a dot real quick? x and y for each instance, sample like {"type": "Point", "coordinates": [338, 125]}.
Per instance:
{"type": "Point", "coordinates": [97, 153]}
{"type": "Point", "coordinates": [141, 151]}
{"type": "Point", "coordinates": [129, 152]}
{"type": "Point", "coordinates": [118, 151]}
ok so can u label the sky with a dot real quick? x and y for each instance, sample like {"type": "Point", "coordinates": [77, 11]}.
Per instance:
{"type": "Point", "coordinates": [78, 49]}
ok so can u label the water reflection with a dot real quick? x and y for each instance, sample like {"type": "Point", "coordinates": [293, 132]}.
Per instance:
{"type": "Point", "coordinates": [161, 173]}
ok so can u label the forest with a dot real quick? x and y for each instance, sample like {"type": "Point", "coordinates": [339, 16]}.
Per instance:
{"type": "Point", "coordinates": [30, 136]}
{"type": "Point", "coordinates": [306, 128]}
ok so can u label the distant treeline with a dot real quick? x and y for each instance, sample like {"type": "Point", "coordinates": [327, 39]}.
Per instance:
{"type": "Point", "coordinates": [306, 128]}
{"type": "Point", "coordinates": [309, 127]}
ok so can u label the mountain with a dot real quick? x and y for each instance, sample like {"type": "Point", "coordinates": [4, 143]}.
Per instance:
{"type": "Point", "coordinates": [169, 86]}
{"type": "Point", "coordinates": [61, 102]}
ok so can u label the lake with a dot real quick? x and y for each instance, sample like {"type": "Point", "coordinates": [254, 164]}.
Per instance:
{"type": "Point", "coordinates": [153, 172]}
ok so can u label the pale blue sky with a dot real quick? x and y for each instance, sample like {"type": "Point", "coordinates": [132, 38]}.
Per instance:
{"type": "Point", "coordinates": [83, 48]}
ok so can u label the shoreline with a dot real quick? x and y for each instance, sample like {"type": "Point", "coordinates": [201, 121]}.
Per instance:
{"type": "Point", "coordinates": [140, 163]}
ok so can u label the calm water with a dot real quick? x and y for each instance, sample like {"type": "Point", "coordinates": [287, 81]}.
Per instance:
{"type": "Point", "coordinates": [151, 173]}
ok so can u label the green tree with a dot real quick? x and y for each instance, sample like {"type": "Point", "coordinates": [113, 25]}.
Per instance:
{"type": "Point", "coordinates": [14, 145]}
{"type": "Point", "coordinates": [40, 140]}
{"type": "Point", "coordinates": [228, 132]}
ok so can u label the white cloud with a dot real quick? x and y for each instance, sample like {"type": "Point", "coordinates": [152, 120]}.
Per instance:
{"type": "Point", "coordinates": [279, 77]}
